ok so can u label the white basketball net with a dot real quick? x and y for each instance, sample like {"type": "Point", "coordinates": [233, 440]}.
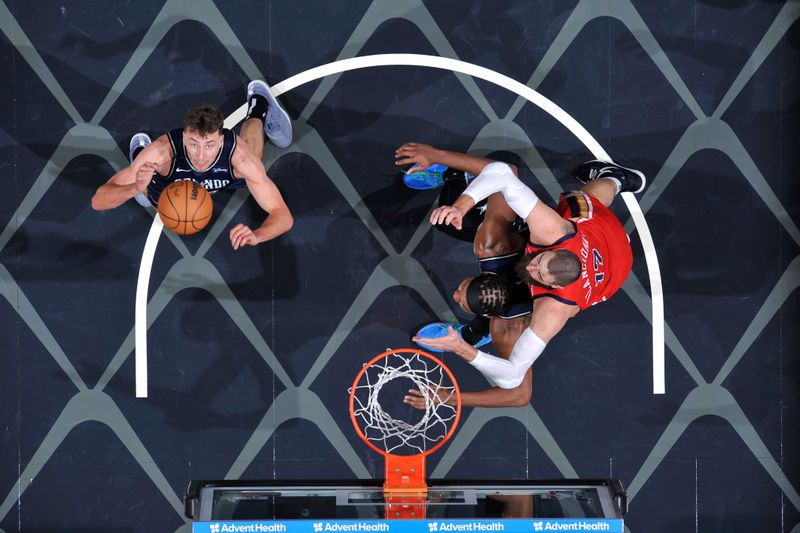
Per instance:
{"type": "Point", "coordinates": [394, 435]}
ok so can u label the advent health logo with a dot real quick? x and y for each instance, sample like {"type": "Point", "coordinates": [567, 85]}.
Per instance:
{"type": "Point", "coordinates": [355, 527]}
{"type": "Point", "coordinates": [437, 527]}
{"type": "Point", "coordinates": [572, 525]}
{"type": "Point", "coordinates": [247, 528]}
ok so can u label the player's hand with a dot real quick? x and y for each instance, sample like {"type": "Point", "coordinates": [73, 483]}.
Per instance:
{"type": "Point", "coordinates": [241, 235]}
{"type": "Point", "coordinates": [416, 399]}
{"type": "Point", "coordinates": [448, 343]}
{"type": "Point", "coordinates": [447, 214]}
{"type": "Point", "coordinates": [421, 155]}
{"type": "Point", "coordinates": [144, 175]}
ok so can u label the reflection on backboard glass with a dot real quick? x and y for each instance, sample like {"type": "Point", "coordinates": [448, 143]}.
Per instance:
{"type": "Point", "coordinates": [341, 502]}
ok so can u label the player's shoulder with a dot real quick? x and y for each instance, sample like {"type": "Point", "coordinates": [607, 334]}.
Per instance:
{"type": "Point", "coordinates": [549, 316]}
{"type": "Point", "coordinates": [553, 306]}
{"type": "Point", "coordinates": [160, 144]}
{"type": "Point", "coordinates": [159, 151]}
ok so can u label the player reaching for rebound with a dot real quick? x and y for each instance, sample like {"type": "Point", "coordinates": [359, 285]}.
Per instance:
{"type": "Point", "coordinates": [578, 254]}
{"type": "Point", "coordinates": [500, 300]}
{"type": "Point", "coordinates": [204, 151]}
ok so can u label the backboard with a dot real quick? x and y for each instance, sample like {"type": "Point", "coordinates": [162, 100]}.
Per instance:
{"type": "Point", "coordinates": [464, 505]}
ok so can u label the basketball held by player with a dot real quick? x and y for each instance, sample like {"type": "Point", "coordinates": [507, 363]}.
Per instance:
{"type": "Point", "coordinates": [213, 156]}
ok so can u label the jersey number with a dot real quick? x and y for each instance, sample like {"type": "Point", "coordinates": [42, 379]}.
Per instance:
{"type": "Point", "coordinates": [597, 262]}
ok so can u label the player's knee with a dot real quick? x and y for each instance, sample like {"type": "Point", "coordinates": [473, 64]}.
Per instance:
{"type": "Point", "coordinates": [488, 245]}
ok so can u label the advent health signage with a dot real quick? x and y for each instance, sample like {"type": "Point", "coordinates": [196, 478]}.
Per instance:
{"type": "Point", "coordinates": [544, 525]}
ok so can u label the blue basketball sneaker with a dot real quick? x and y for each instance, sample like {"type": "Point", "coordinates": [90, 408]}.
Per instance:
{"type": "Point", "coordinates": [439, 329]}
{"type": "Point", "coordinates": [426, 179]}
{"type": "Point", "coordinates": [433, 177]}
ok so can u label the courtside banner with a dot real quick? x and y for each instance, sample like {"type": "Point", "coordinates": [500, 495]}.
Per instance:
{"type": "Point", "coordinates": [412, 526]}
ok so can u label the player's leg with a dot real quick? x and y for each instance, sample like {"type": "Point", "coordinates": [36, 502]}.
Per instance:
{"type": "Point", "coordinates": [265, 118]}
{"type": "Point", "coordinates": [496, 246]}
{"type": "Point", "coordinates": [454, 183]}
{"type": "Point", "coordinates": [495, 235]}
{"type": "Point", "coordinates": [138, 142]}
{"type": "Point", "coordinates": [605, 180]}
{"type": "Point", "coordinates": [475, 332]}
{"type": "Point", "coordinates": [252, 133]}
{"type": "Point", "coordinates": [488, 226]}
{"type": "Point", "coordinates": [603, 189]}
{"type": "Point", "coordinates": [493, 240]}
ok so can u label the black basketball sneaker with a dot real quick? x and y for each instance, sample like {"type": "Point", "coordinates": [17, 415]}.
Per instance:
{"type": "Point", "coordinates": [630, 180]}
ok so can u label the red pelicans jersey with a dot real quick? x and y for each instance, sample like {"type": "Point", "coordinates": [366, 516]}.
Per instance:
{"type": "Point", "coordinates": [601, 244]}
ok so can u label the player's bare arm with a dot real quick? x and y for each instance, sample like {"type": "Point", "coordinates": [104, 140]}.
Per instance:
{"type": "Point", "coordinates": [549, 317]}
{"type": "Point", "coordinates": [452, 342]}
{"type": "Point", "coordinates": [424, 155]}
{"type": "Point", "coordinates": [266, 194]}
{"type": "Point", "coordinates": [519, 396]}
{"type": "Point", "coordinates": [133, 179]}
{"type": "Point", "coordinates": [546, 225]}
{"type": "Point", "coordinates": [505, 333]}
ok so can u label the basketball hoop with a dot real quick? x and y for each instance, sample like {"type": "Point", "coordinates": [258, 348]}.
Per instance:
{"type": "Point", "coordinates": [405, 444]}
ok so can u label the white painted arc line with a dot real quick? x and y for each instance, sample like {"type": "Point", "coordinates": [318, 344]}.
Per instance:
{"type": "Point", "coordinates": [454, 65]}
{"type": "Point", "coordinates": [651, 258]}
{"type": "Point", "coordinates": [140, 311]}
{"type": "Point", "coordinates": [656, 291]}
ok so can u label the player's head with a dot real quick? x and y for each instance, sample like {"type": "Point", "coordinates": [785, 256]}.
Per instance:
{"type": "Point", "coordinates": [204, 119]}
{"type": "Point", "coordinates": [202, 135]}
{"type": "Point", "coordinates": [487, 295]}
{"type": "Point", "coordinates": [552, 269]}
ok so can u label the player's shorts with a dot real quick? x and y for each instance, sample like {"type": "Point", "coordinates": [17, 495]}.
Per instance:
{"type": "Point", "coordinates": [576, 205]}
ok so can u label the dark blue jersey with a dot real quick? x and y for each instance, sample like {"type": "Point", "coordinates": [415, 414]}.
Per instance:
{"type": "Point", "coordinates": [216, 177]}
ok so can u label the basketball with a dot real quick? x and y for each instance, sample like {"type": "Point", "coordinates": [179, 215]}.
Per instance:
{"type": "Point", "coordinates": [185, 207]}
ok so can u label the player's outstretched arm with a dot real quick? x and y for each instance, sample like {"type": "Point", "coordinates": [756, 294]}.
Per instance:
{"type": "Point", "coordinates": [545, 224]}
{"type": "Point", "coordinates": [424, 155]}
{"type": "Point", "coordinates": [548, 317]}
{"type": "Point", "coordinates": [519, 396]}
{"type": "Point", "coordinates": [134, 178]}
{"type": "Point", "coordinates": [266, 194]}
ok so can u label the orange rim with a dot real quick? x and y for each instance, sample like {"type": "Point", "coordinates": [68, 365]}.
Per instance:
{"type": "Point", "coordinates": [449, 374]}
